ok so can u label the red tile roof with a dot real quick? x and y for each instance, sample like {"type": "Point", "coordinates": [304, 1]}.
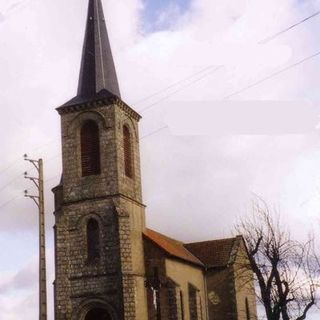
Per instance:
{"type": "Point", "coordinates": [172, 247]}
{"type": "Point", "coordinates": [211, 254]}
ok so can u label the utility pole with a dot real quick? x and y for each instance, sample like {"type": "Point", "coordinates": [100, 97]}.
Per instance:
{"type": "Point", "coordinates": [39, 201]}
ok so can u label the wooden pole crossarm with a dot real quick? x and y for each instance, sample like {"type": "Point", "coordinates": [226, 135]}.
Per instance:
{"type": "Point", "coordinates": [39, 201]}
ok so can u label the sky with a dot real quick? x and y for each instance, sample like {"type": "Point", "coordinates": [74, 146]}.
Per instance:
{"type": "Point", "coordinates": [229, 112]}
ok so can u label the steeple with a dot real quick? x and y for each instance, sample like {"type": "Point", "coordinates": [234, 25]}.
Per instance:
{"type": "Point", "coordinates": [98, 74]}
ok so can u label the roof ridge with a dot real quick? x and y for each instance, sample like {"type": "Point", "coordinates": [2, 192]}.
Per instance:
{"type": "Point", "coordinates": [165, 236]}
{"type": "Point", "coordinates": [214, 240]}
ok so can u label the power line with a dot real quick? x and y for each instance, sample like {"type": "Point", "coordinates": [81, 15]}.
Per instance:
{"type": "Point", "coordinates": [207, 74]}
{"type": "Point", "coordinates": [266, 40]}
{"type": "Point", "coordinates": [10, 182]}
{"type": "Point", "coordinates": [249, 86]}
{"type": "Point", "coordinates": [10, 165]}
{"type": "Point", "coordinates": [9, 201]}
{"type": "Point", "coordinates": [201, 71]}
{"type": "Point", "coordinates": [143, 137]}
{"type": "Point", "coordinates": [179, 90]}
{"type": "Point", "coordinates": [230, 95]}
{"type": "Point", "coordinates": [173, 85]}
{"type": "Point", "coordinates": [236, 92]}
{"type": "Point", "coordinates": [272, 75]}
{"type": "Point", "coordinates": [261, 42]}
{"type": "Point", "coordinates": [154, 132]}
{"type": "Point", "coordinates": [14, 162]}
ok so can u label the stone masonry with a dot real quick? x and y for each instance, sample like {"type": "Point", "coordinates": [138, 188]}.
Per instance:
{"type": "Point", "coordinates": [116, 283]}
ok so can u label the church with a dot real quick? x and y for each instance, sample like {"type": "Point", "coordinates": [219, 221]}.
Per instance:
{"type": "Point", "coordinates": [108, 264]}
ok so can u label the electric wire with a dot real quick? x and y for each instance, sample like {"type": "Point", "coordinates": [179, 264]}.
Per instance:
{"type": "Point", "coordinates": [254, 84]}
{"type": "Point", "coordinates": [251, 85]}
{"type": "Point", "coordinates": [178, 90]}
{"type": "Point", "coordinates": [226, 97]}
{"type": "Point", "coordinates": [18, 159]}
{"type": "Point", "coordinates": [9, 201]}
{"type": "Point", "coordinates": [10, 165]}
{"type": "Point", "coordinates": [154, 132]}
{"type": "Point", "coordinates": [317, 13]}
{"type": "Point", "coordinates": [268, 39]}
{"type": "Point", "coordinates": [261, 42]}
{"type": "Point", "coordinates": [173, 85]}
{"type": "Point", "coordinates": [10, 182]}
{"type": "Point", "coordinates": [233, 93]}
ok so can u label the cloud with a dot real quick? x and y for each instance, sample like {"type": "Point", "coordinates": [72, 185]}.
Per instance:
{"type": "Point", "coordinates": [24, 279]}
{"type": "Point", "coordinates": [241, 118]}
{"type": "Point", "coordinates": [210, 33]}
{"type": "Point", "coordinates": [19, 291]}
{"type": "Point", "coordinates": [207, 179]}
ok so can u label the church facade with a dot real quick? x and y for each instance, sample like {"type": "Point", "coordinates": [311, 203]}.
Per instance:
{"type": "Point", "coordinates": [108, 264]}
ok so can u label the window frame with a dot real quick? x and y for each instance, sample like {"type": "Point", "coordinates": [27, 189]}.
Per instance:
{"type": "Point", "coordinates": [93, 241]}
{"type": "Point", "coordinates": [128, 152]}
{"type": "Point", "coordinates": [90, 150]}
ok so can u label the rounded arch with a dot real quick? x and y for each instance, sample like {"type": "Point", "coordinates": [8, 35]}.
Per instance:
{"type": "Point", "coordinates": [82, 117]}
{"type": "Point", "coordinates": [83, 220]}
{"type": "Point", "coordinates": [130, 124]}
{"type": "Point", "coordinates": [94, 304]}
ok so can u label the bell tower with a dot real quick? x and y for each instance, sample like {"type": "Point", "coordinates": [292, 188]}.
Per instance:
{"type": "Point", "coordinates": [99, 214]}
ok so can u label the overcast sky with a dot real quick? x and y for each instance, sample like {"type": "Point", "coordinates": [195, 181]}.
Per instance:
{"type": "Point", "coordinates": [229, 111]}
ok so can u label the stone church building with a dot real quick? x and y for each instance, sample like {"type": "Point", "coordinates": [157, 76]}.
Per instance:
{"type": "Point", "coordinates": [109, 266]}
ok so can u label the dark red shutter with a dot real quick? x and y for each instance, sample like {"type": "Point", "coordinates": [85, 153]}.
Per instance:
{"type": "Point", "coordinates": [127, 152]}
{"type": "Point", "coordinates": [90, 149]}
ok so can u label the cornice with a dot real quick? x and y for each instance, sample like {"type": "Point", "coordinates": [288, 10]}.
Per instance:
{"type": "Point", "coordinates": [99, 103]}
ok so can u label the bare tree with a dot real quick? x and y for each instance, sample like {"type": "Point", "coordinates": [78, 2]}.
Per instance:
{"type": "Point", "coordinates": [285, 270]}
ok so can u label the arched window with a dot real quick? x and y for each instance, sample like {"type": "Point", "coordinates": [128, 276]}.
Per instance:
{"type": "Point", "coordinates": [90, 149]}
{"type": "Point", "coordinates": [93, 240]}
{"type": "Point", "coordinates": [127, 149]}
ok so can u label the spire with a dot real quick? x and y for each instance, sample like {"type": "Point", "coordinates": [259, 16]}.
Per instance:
{"type": "Point", "coordinates": [97, 67]}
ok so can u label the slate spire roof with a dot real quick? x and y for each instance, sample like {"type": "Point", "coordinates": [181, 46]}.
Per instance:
{"type": "Point", "coordinates": [98, 73]}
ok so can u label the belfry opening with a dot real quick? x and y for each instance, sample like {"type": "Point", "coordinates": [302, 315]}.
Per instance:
{"type": "Point", "coordinates": [98, 314]}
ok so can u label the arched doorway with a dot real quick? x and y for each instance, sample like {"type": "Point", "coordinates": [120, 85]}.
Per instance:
{"type": "Point", "coordinates": [98, 314]}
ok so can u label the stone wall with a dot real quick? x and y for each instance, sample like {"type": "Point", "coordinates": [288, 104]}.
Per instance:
{"type": "Point", "coordinates": [116, 281]}
{"type": "Point", "coordinates": [244, 286]}
{"type": "Point", "coordinates": [221, 294]}
{"type": "Point", "coordinates": [175, 277]}
{"type": "Point", "coordinates": [77, 280]}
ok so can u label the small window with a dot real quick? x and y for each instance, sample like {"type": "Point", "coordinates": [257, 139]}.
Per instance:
{"type": "Point", "coordinates": [181, 305]}
{"type": "Point", "coordinates": [90, 149]}
{"type": "Point", "coordinates": [194, 303]}
{"type": "Point", "coordinates": [247, 310]}
{"type": "Point", "coordinates": [127, 149]}
{"type": "Point", "coordinates": [93, 240]}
